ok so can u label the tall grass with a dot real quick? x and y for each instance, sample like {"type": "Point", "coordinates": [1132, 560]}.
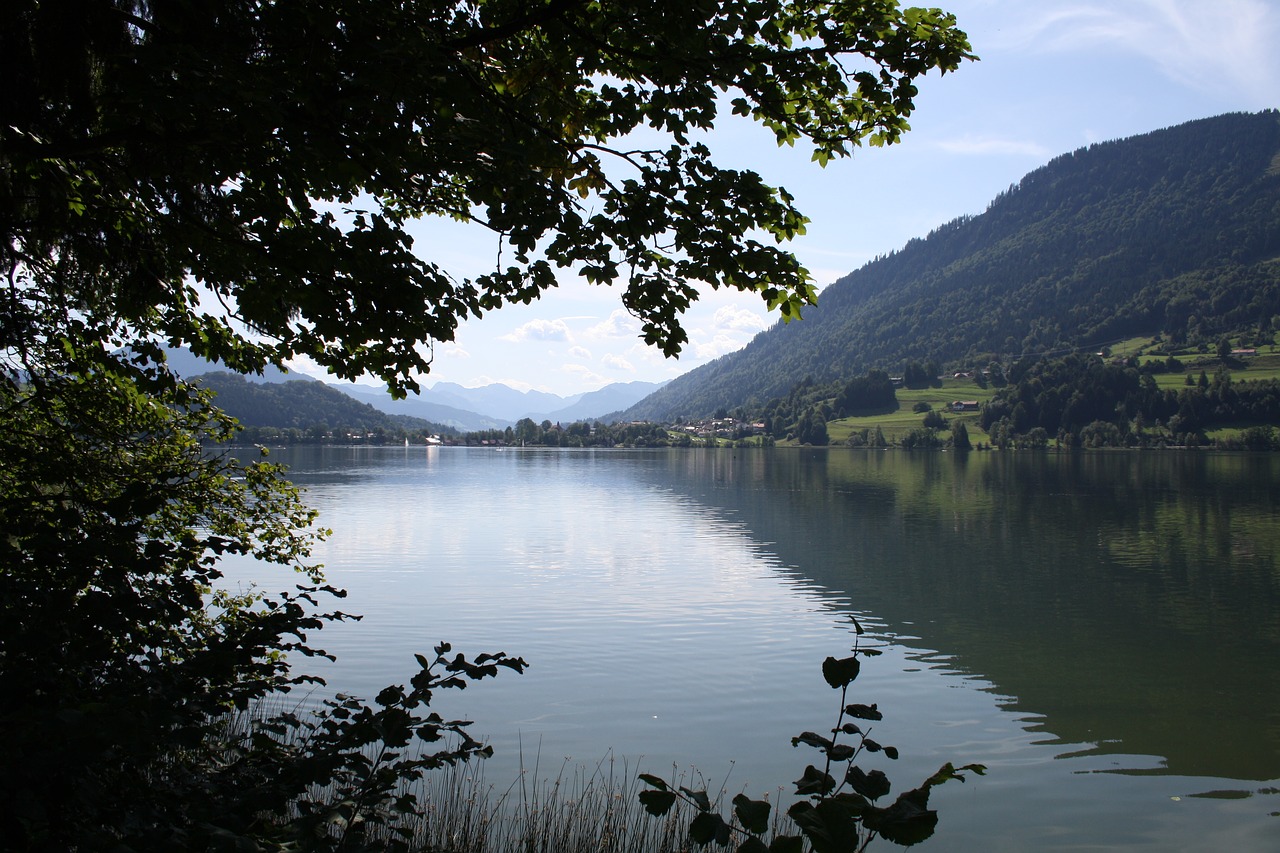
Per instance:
{"type": "Point", "coordinates": [582, 809]}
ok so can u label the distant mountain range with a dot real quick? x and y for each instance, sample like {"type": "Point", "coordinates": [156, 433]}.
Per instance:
{"type": "Point", "coordinates": [465, 409]}
{"type": "Point", "coordinates": [497, 406]}
{"type": "Point", "coordinates": [1175, 232]}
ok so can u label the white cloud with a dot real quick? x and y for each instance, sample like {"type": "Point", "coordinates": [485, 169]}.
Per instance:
{"type": "Point", "coordinates": [737, 319]}
{"type": "Point", "coordinates": [617, 362]}
{"type": "Point", "coordinates": [1210, 46]}
{"type": "Point", "coordinates": [304, 365]}
{"type": "Point", "coordinates": [584, 376]}
{"type": "Point", "coordinates": [620, 324]}
{"type": "Point", "coordinates": [715, 346]}
{"type": "Point", "coordinates": [452, 351]}
{"type": "Point", "coordinates": [540, 330]}
{"type": "Point", "coordinates": [727, 330]}
{"type": "Point", "coordinates": [580, 352]}
{"type": "Point", "coordinates": [642, 353]}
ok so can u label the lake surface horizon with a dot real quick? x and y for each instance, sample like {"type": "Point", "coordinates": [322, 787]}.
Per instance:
{"type": "Point", "coordinates": [1098, 629]}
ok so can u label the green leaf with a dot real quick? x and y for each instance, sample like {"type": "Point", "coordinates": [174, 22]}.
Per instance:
{"type": "Point", "coordinates": [657, 803]}
{"type": "Point", "coordinates": [947, 772]}
{"type": "Point", "coordinates": [873, 785]}
{"type": "Point", "coordinates": [831, 825]}
{"type": "Point", "coordinates": [708, 827]}
{"type": "Point", "coordinates": [649, 779]}
{"type": "Point", "coordinates": [787, 844]}
{"type": "Point", "coordinates": [864, 712]}
{"type": "Point", "coordinates": [752, 814]}
{"type": "Point", "coordinates": [840, 672]}
{"type": "Point", "coordinates": [908, 821]}
{"type": "Point", "coordinates": [811, 739]}
{"type": "Point", "coordinates": [814, 781]}
{"type": "Point", "coordinates": [700, 798]}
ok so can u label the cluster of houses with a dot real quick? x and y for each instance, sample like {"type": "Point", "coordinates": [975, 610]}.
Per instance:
{"type": "Point", "coordinates": [723, 428]}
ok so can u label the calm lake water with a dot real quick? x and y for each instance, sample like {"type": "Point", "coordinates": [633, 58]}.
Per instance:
{"type": "Point", "coordinates": [1102, 631]}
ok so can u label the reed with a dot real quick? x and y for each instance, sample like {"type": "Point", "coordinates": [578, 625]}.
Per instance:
{"type": "Point", "coordinates": [581, 809]}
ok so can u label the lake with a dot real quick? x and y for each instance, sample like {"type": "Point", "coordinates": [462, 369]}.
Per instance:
{"type": "Point", "coordinates": [1101, 630]}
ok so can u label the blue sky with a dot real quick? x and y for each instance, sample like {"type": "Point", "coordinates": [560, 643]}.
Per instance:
{"type": "Point", "coordinates": [1053, 75]}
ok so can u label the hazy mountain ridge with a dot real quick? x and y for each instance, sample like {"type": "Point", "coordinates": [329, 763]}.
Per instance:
{"type": "Point", "coordinates": [1175, 231]}
{"type": "Point", "coordinates": [498, 406]}
{"type": "Point", "coordinates": [448, 404]}
{"type": "Point", "coordinates": [602, 403]}
{"type": "Point", "coordinates": [497, 400]}
{"type": "Point", "coordinates": [422, 406]}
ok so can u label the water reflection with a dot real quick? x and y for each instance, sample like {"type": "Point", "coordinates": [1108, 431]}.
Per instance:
{"type": "Point", "coordinates": [1127, 601]}
{"type": "Point", "coordinates": [675, 606]}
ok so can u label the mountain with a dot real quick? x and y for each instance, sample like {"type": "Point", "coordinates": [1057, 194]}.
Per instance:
{"type": "Point", "coordinates": [1174, 232]}
{"type": "Point", "coordinates": [448, 404]}
{"type": "Point", "coordinates": [497, 406]}
{"type": "Point", "coordinates": [498, 400]}
{"type": "Point", "coordinates": [422, 406]}
{"type": "Point", "coordinates": [598, 404]}
{"type": "Point", "coordinates": [300, 404]}
{"type": "Point", "coordinates": [187, 364]}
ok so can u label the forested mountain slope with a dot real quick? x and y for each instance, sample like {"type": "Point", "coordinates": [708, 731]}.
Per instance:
{"type": "Point", "coordinates": [300, 404]}
{"type": "Point", "coordinates": [1175, 231]}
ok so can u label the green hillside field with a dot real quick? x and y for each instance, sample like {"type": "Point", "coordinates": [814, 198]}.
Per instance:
{"type": "Point", "coordinates": [894, 425]}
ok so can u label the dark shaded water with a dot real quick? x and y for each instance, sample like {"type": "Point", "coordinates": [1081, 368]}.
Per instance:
{"type": "Point", "coordinates": [1100, 630]}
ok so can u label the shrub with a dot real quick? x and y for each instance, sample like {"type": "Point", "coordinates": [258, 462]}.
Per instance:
{"type": "Point", "coordinates": [833, 816]}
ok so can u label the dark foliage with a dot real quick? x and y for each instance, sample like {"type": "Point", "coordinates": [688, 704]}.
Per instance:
{"type": "Point", "coordinates": [1087, 401]}
{"type": "Point", "coordinates": [868, 395]}
{"type": "Point", "coordinates": [275, 154]}
{"type": "Point", "coordinates": [834, 813]}
{"type": "Point", "coordinates": [241, 179]}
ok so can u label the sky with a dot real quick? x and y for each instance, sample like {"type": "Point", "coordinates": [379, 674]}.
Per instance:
{"type": "Point", "coordinates": [1052, 76]}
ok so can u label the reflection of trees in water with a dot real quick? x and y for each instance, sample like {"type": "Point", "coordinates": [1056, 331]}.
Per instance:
{"type": "Point", "coordinates": [1128, 598]}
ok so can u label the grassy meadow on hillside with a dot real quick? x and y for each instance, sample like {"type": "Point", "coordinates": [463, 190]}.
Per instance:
{"type": "Point", "coordinates": [896, 424]}
{"type": "Point", "coordinates": [1265, 365]}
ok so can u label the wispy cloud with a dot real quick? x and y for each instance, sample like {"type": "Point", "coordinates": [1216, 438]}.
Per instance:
{"type": "Point", "coordinates": [580, 352]}
{"type": "Point", "coordinates": [716, 345]}
{"type": "Point", "coordinates": [451, 350]}
{"type": "Point", "coordinates": [1208, 46]}
{"type": "Point", "coordinates": [619, 324]}
{"type": "Point", "coordinates": [995, 146]}
{"type": "Point", "coordinates": [617, 362]}
{"type": "Point", "coordinates": [540, 330]}
{"type": "Point", "coordinates": [584, 376]}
